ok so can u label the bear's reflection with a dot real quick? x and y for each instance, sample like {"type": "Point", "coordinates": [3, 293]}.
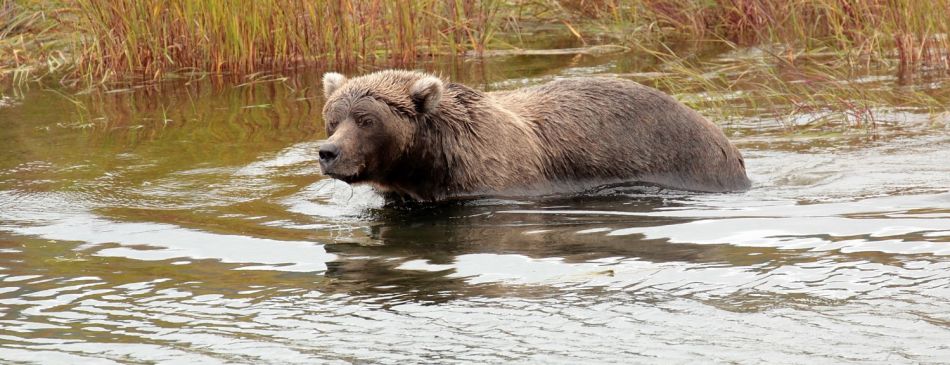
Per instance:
{"type": "Point", "coordinates": [536, 229]}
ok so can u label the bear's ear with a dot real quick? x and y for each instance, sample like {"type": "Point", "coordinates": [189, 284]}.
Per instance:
{"type": "Point", "coordinates": [331, 82]}
{"type": "Point", "coordinates": [426, 93]}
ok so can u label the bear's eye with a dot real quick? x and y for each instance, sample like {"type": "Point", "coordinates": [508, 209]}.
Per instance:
{"type": "Point", "coordinates": [365, 121]}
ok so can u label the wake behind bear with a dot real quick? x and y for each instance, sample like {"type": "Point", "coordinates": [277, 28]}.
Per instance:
{"type": "Point", "coordinates": [413, 135]}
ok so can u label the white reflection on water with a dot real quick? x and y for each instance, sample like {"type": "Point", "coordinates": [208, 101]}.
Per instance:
{"type": "Point", "coordinates": [856, 226]}
{"type": "Point", "coordinates": [827, 279]}
{"type": "Point", "coordinates": [799, 233]}
{"type": "Point", "coordinates": [656, 315]}
{"type": "Point", "coordinates": [43, 216]}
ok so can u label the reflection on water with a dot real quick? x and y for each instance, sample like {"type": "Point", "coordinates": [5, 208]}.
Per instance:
{"type": "Point", "coordinates": [190, 225]}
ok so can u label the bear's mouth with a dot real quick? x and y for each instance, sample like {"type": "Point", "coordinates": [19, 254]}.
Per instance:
{"type": "Point", "coordinates": [349, 179]}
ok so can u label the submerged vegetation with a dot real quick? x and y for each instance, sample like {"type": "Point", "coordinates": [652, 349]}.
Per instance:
{"type": "Point", "coordinates": [811, 56]}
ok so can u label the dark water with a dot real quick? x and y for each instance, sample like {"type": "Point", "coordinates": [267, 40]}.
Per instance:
{"type": "Point", "coordinates": [189, 224]}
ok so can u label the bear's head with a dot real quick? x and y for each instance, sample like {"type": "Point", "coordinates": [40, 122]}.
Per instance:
{"type": "Point", "coordinates": [371, 120]}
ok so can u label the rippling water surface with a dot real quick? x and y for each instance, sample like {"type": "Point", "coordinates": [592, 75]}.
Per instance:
{"type": "Point", "coordinates": [190, 224]}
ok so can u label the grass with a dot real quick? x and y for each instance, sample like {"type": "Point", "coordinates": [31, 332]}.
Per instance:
{"type": "Point", "coordinates": [31, 44]}
{"type": "Point", "coordinates": [815, 90]}
{"type": "Point", "coordinates": [913, 33]}
{"type": "Point", "coordinates": [811, 60]}
{"type": "Point", "coordinates": [809, 52]}
{"type": "Point", "coordinates": [150, 39]}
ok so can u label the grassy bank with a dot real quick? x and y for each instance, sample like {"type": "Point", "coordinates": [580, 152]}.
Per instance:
{"type": "Point", "coordinates": [33, 42]}
{"type": "Point", "coordinates": [147, 40]}
{"type": "Point", "coordinates": [806, 53]}
{"type": "Point", "coordinates": [909, 33]}
{"type": "Point", "coordinates": [100, 42]}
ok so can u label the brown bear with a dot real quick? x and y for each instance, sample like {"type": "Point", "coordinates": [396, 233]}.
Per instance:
{"type": "Point", "coordinates": [413, 135]}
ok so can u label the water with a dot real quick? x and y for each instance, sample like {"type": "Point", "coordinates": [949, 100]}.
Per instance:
{"type": "Point", "coordinates": [189, 224]}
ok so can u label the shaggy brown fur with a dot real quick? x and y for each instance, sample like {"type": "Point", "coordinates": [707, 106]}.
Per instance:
{"type": "Point", "coordinates": [409, 133]}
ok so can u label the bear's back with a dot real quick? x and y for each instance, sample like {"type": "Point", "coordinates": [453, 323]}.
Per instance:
{"type": "Point", "coordinates": [611, 129]}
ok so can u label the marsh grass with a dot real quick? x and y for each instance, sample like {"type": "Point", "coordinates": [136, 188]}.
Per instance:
{"type": "Point", "coordinates": [151, 39]}
{"type": "Point", "coordinates": [815, 91]}
{"type": "Point", "coordinates": [816, 63]}
{"type": "Point", "coordinates": [146, 40]}
{"type": "Point", "coordinates": [811, 57]}
{"type": "Point", "coordinates": [911, 34]}
{"type": "Point", "coordinates": [31, 43]}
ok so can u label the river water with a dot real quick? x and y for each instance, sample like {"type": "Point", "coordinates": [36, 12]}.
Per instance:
{"type": "Point", "coordinates": [189, 223]}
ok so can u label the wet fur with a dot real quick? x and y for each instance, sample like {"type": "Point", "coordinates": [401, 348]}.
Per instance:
{"type": "Point", "coordinates": [566, 134]}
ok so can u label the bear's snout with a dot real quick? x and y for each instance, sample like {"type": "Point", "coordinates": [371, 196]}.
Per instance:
{"type": "Point", "coordinates": [328, 155]}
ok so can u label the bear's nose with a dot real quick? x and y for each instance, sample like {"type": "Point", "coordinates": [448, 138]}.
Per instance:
{"type": "Point", "coordinates": [329, 153]}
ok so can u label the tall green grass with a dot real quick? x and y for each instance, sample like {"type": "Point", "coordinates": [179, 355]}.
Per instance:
{"type": "Point", "coordinates": [148, 39]}
{"type": "Point", "coordinates": [912, 34]}
{"type": "Point", "coordinates": [30, 43]}
{"type": "Point", "coordinates": [807, 62]}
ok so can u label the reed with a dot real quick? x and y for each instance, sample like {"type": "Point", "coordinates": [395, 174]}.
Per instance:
{"type": "Point", "coordinates": [911, 34]}
{"type": "Point", "coordinates": [30, 41]}
{"type": "Point", "coordinates": [146, 40]}
{"type": "Point", "coordinates": [813, 63]}
{"type": "Point", "coordinates": [150, 39]}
